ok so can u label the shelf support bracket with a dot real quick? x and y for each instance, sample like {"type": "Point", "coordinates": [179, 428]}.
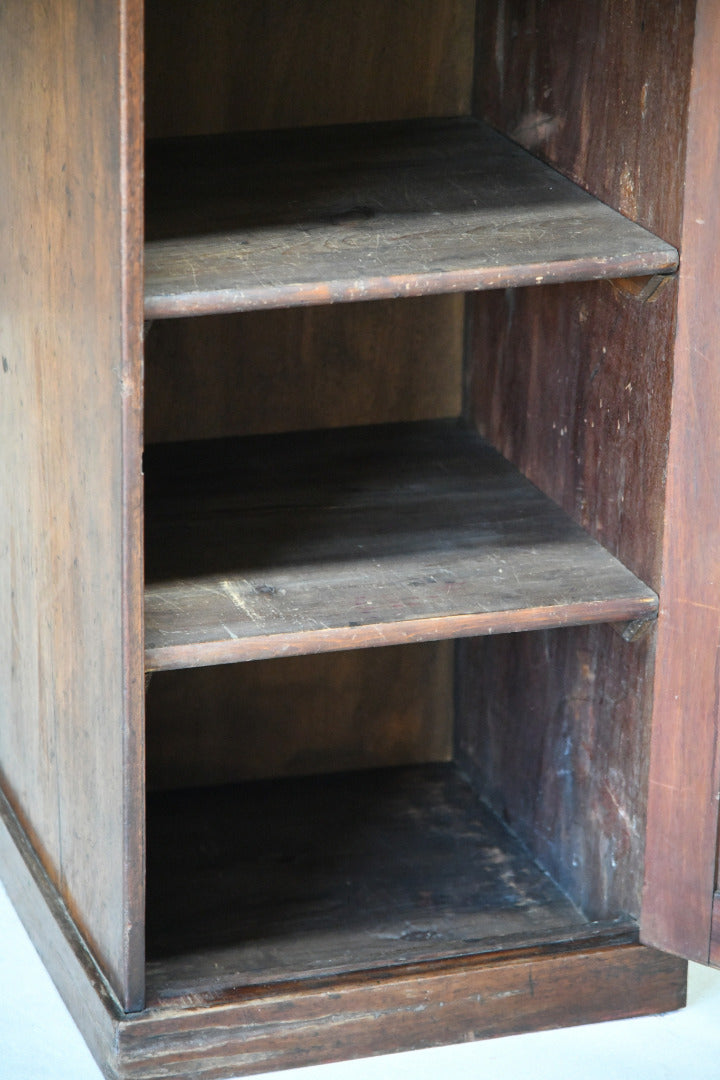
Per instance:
{"type": "Point", "coordinates": [636, 629]}
{"type": "Point", "coordinates": [643, 288]}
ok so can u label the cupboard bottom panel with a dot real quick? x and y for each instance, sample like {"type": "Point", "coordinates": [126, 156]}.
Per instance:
{"type": "Point", "coordinates": [296, 878]}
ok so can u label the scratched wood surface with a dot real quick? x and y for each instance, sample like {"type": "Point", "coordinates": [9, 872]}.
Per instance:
{"type": "Point", "coordinates": [224, 66]}
{"type": "Point", "coordinates": [366, 536]}
{"type": "Point", "coordinates": [537, 989]}
{"type": "Point", "coordinates": [317, 876]}
{"type": "Point", "coordinates": [71, 678]}
{"type": "Point", "coordinates": [366, 212]}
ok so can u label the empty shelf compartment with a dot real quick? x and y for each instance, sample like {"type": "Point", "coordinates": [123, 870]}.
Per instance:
{"type": "Point", "coordinates": [282, 879]}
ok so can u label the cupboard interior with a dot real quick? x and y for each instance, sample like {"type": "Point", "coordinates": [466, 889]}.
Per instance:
{"type": "Point", "coordinates": [319, 814]}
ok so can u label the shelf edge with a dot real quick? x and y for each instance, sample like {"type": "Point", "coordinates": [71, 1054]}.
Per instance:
{"type": "Point", "coordinates": [305, 642]}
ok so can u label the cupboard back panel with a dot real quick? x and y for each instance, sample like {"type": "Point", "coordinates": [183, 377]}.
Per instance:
{"type": "Point", "coordinates": [573, 384]}
{"type": "Point", "coordinates": [227, 66]}
{"type": "Point", "coordinates": [70, 581]}
{"type": "Point", "coordinates": [302, 715]}
{"type": "Point", "coordinates": [302, 368]}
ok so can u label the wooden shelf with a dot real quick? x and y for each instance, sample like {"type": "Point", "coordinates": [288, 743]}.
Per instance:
{"type": "Point", "coordinates": [301, 878]}
{"type": "Point", "coordinates": [370, 211]}
{"type": "Point", "coordinates": [330, 540]}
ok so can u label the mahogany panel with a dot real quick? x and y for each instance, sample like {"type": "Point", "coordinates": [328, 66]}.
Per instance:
{"type": "Point", "coordinates": [362, 212]}
{"type": "Point", "coordinates": [300, 716]}
{"type": "Point", "coordinates": [574, 386]}
{"type": "Point", "coordinates": [60, 946]}
{"type": "Point", "coordinates": [547, 731]}
{"type": "Point", "coordinates": [685, 756]}
{"type": "Point", "coordinates": [310, 367]}
{"type": "Point", "coordinates": [228, 66]}
{"type": "Point", "coordinates": [70, 486]}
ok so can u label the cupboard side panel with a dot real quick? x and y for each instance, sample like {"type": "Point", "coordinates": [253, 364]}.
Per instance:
{"type": "Point", "coordinates": [573, 384]}
{"type": "Point", "coordinates": [599, 90]}
{"type": "Point", "coordinates": [70, 660]}
{"type": "Point", "coordinates": [685, 758]}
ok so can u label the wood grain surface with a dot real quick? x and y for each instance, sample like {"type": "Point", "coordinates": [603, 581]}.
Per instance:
{"type": "Point", "coordinates": [463, 999]}
{"type": "Point", "coordinates": [70, 484]}
{"type": "Point", "coordinates": [221, 66]}
{"type": "Point", "coordinates": [300, 716]}
{"type": "Point", "coordinates": [574, 386]}
{"type": "Point", "coordinates": [367, 536]}
{"type": "Point", "coordinates": [369, 211]}
{"type": "Point", "coordinates": [680, 874]}
{"type": "Point", "coordinates": [301, 368]}
{"type": "Point", "coordinates": [599, 90]}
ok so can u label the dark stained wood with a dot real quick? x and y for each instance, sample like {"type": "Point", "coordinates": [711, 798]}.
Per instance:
{"type": "Point", "coordinates": [685, 755]}
{"type": "Point", "coordinates": [574, 385]}
{"type": "Point", "coordinates": [289, 369]}
{"type": "Point", "coordinates": [542, 726]}
{"type": "Point", "coordinates": [367, 536]}
{"type": "Point", "coordinates": [70, 550]}
{"type": "Point", "coordinates": [366, 212]}
{"type": "Point", "coordinates": [300, 716]}
{"type": "Point", "coordinates": [264, 882]}
{"type": "Point", "coordinates": [223, 66]}
{"type": "Point", "coordinates": [308, 367]}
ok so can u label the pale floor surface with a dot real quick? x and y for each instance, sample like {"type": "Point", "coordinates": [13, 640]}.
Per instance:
{"type": "Point", "coordinates": [38, 1040]}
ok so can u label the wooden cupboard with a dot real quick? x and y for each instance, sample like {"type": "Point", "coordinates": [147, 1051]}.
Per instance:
{"type": "Point", "coordinates": [359, 657]}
